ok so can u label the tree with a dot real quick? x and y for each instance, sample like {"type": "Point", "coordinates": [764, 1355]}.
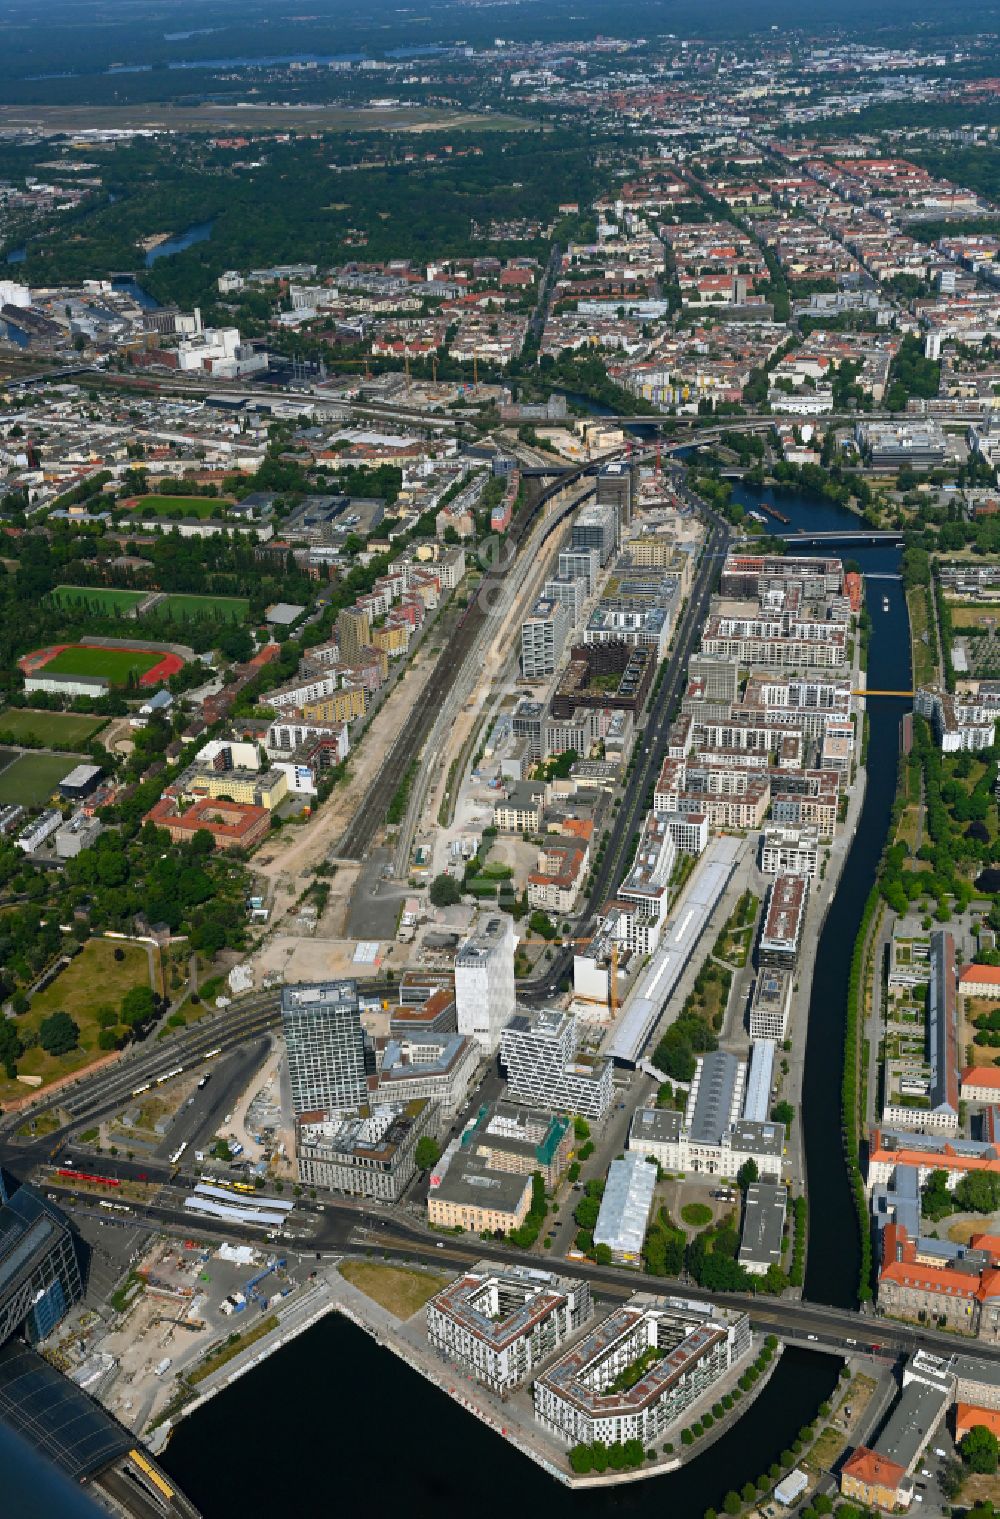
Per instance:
{"type": "Point", "coordinates": [731, 1502]}
{"type": "Point", "coordinates": [581, 1459]}
{"type": "Point", "coordinates": [747, 1174]}
{"type": "Point", "coordinates": [602, 1255]}
{"type": "Point", "coordinates": [979, 1449]}
{"type": "Point", "coordinates": [445, 891]}
{"type": "Point", "coordinates": [427, 1153]}
{"type": "Point", "coordinates": [783, 1112]}
{"type": "Point", "coordinates": [138, 1006]}
{"type": "Point", "coordinates": [58, 1034]}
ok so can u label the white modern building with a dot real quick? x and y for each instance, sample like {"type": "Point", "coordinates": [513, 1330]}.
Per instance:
{"type": "Point", "coordinates": [628, 1197]}
{"type": "Point", "coordinates": [484, 981]}
{"type": "Point", "coordinates": [543, 637]}
{"type": "Point", "coordinates": [539, 1051]}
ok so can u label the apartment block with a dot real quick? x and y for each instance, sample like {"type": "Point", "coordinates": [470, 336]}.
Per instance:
{"type": "Point", "coordinates": [539, 1052]}
{"type": "Point", "coordinates": [497, 1323]}
{"type": "Point", "coordinates": [698, 1345]}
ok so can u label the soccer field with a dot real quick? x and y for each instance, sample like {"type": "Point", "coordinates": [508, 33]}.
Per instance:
{"type": "Point", "coordinates": [32, 778]}
{"type": "Point", "coordinates": [91, 598]}
{"type": "Point", "coordinates": [114, 664]}
{"type": "Point", "coordinates": [62, 730]}
{"type": "Point", "coordinates": [218, 608]}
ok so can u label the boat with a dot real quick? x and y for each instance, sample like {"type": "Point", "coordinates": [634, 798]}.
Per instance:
{"type": "Point", "coordinates": [772, 511]}
{"type": "Point", "coordinates": [885, 603]}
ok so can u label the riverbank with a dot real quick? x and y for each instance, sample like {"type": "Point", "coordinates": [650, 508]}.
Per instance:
{"type": "Point", "coordinates": [512, 1419]}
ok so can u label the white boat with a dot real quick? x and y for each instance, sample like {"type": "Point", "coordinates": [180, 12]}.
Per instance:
{"type": "Point", "coordinates": [885, 603]}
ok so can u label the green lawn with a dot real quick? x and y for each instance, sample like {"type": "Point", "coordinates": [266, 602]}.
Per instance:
{"type": "Point", "coordinates": [114, 664]}
{"type": "Point", "coordinates": [94, 978]}
{"type": "Point", "coordinates": [63, 730]}
{"type": "Point", "coordinates": [91, 598]}
{"type": "Point", "coordinates": [32, 778]}
{"type": "Point", "coordinates": [188, 506]}
{"type": "Point", "coordinates": [219, 608]}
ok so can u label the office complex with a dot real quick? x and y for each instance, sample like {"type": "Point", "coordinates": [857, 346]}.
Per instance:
{"type": "Point", "coordinates": [498, 1323]}
{"type": "Point", "coordinates": [538, 1050]}
{"type": "Point", "coordinates": [772, 998]}
{"type": "Point", "coordinates": [484, 981]}
{"type": "Point", "coordinates": [596, 527]}
{"type": "Point", "coordinates": [522, 1141]}
{"type": "Point", "coordinates": [326, 1047]}
{"type": "Point", "coordinates": [439, 1067]}
{"type": "Point", "coordinates": [39, 1270]}
{"type": "Point", "coordinates": [784, 916]}
{"type": "Point", "coordinates": [372, 1155]}
{"type": "Point", "coordinates": [690, 1346]}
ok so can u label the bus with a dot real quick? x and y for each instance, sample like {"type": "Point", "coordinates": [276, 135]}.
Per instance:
{"type": "Point", "coordinates": [175, 1157]}
{"type": "Point", "coordinates": [169, 1075]}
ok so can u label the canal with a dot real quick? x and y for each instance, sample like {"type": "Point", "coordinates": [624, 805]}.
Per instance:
{"type": "Point", "coordinates": [413, 1442]}
{"type": "Point", "coordinates": [834, 1252]}
{"type": "Point", "coordinates": [342, 1422]}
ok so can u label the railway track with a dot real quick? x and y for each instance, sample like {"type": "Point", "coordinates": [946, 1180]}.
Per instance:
{"type": "Point", "coordinates": [370, 816]}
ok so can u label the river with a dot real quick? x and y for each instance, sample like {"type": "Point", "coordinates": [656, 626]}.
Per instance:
{"type": "Point", "coordinates": [362, 1426]}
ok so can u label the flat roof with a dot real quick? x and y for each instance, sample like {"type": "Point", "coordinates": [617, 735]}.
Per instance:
{"type": "Point", "coordinates": [628, 1196]}
{"type": "Point", "coordinates": [763, 1223]}
{"type": "Point", "coordinates": [679, 938]}
{"type": "Point", "coordinates": [911, 1424]}
{"type": "Point", "coordinates": [757, 1097]}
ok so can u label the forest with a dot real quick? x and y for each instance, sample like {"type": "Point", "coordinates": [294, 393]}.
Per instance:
{"type": "Point", "coordinates": [294, 205]}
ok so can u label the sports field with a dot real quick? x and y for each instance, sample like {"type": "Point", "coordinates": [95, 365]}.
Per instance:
{"type": "Point", "coordinates": [115, 665]}
{"type": "Point", "coordinates": [32, 778]}
{"type": "Point", "coordinates": [218, 608]}
{"type": "Point", "coordinates": [92, 598]}
{"type": "Point", "coordinates": [187, 506]}
{"type": "Point", "coordinates": [62, 730]}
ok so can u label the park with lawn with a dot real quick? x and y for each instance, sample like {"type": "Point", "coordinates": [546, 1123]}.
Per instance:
{"type": "Point", "coordinates": [97, 993]}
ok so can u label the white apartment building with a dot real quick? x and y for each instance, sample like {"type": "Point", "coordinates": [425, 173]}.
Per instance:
{"type": "Point", "coordinates": [543, 638]}
{"type": "Point", "coordinates": [485, 998]}
{"type": "Point", "coordinates": [698, 1345]}
{"type": "Point", "coordinates": [787, 850]}
{"type": "Point", "coordinates": [538, 1050]}
{"type": "Point", "coordinates": [498, 1323]}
